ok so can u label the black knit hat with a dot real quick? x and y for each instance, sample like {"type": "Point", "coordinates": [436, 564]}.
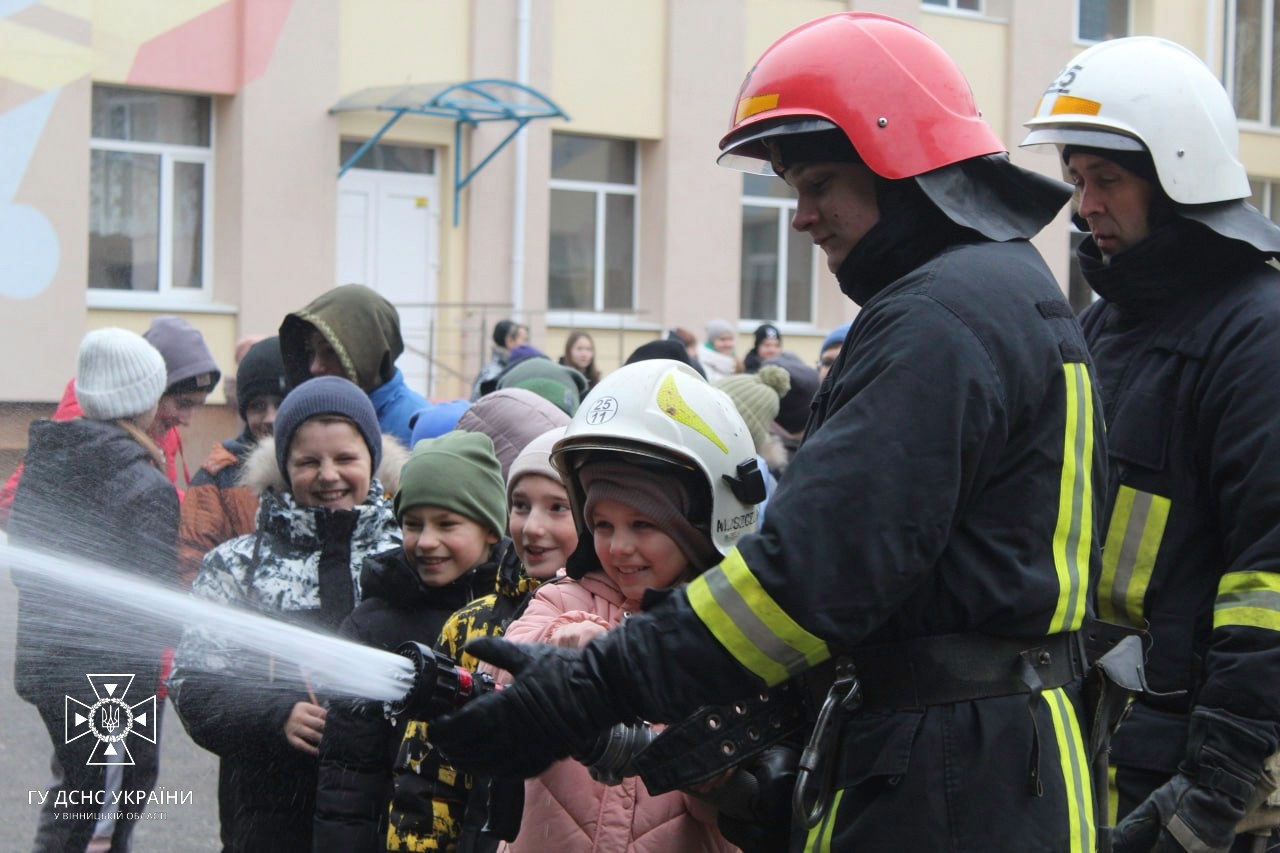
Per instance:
{"type": "Point", "coordinates": [326, 395]}
{"type": "Point", "coordinates": [1138, 162]}
{"type": "Point", "coordinates": [767, 331]}
{"type": "Point", "coordinates": [260, 374]}
{"type": "Point", "coordinates": [665, 348]}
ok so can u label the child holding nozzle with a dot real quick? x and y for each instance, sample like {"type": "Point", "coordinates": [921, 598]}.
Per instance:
{"type": "Point", "coordinates": [645, 461]}
{"type": "Point", "coordinates": [323, 509]}
{"type": "Point", "coordinates": [451, 511]}
{"type": "Point", "coordinates": [434, 806]}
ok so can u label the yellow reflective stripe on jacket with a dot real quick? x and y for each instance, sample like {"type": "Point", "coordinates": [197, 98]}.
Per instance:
{"type": "Point", "coordinates": [751, 625]}
{"type": "Point", "coordinates": [1129, 556]}
{"type": "Point", "coordinates": [1076, 778]}
{"type": "Point", "coordinates": [1248, 599]}
{"type": "Point", "coordinates": [819, 838]}
{"type": "Point", "coordinates": [1073, 535]}
{"type": "Point", "coordinates": [1113, 797]}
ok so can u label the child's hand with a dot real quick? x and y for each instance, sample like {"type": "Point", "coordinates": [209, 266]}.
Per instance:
{"type": "Point", "coordinates": [575, 635]}
{"type": "Point", "coordinates": [305, 727]}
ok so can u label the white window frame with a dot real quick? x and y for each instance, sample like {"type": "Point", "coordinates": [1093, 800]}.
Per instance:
{"type": "Point", "coordinates": [602, 190]}
{"type": "Point", "coordinates": [1075, 21]}
{"type": "Point", "coordinates": [786, 208]}
{"type": "Point", "coordinates": [952, 6]}
{"type": "Point", "coordinates": [166, 294]}
{"type": "Point", "coordinates": [1268, 55]}
{"type": "Point", "coordinates": [1266, 196]}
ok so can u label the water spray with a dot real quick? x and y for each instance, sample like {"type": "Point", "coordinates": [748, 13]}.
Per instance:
{"type": "Point", "coordinates": [336, 666]}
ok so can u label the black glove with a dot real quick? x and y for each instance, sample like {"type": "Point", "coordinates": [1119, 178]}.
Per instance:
{"type": "Point", "coordinates": [1199, 808]}
{"type": "Point", "coordinates": [768, 826]}
{"type": "Point", "coordinates": [556, 707]}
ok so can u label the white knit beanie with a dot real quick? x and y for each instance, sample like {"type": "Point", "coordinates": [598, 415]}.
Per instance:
{"type": "Point", "coordinates": [118, 375]}
{"type": "Point", "coordinates": [535, 459]}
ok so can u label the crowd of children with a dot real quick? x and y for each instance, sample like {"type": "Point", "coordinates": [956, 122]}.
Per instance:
{"type": "Point", "coordinates": [355, 535]}
{"type": "Point", "coordinates": [505, 517]}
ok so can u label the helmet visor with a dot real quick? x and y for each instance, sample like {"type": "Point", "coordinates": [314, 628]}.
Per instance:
{"type": "Point", "coordinates": [1086, 137]}
{"type": "Point", "coordinates": [748, 152]}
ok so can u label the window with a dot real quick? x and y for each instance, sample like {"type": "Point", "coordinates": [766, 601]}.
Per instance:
{"type": "Point", "coordinates": [1250, 50]}
{"type": "Point", "coordinates": [1099, 20]}
{"type": "Point", "coordinates": [958, 5]}
{"type": "Point", "coordinates": [1266, 197]}
{"type": "Point", "coordinates": [592, 253]}
{"type": "Point", "coordinates": [386, 157]}
{"type": "Point", "coordinates": [777, 261]}
{"type": "Point", "coordinates": [150, 209]}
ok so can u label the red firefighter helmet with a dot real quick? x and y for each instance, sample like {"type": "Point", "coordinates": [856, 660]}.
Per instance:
{"type": "Point", "coordinates": [898, 97]}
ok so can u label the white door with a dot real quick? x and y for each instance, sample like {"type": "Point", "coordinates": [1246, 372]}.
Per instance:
{"type": "Point", "coordinates": [388, 239]}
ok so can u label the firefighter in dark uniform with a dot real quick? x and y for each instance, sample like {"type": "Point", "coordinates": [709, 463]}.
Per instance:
{"type": "Point", "coordinates": [1186, 336]}
{"type": "Point", "coordinates": [935, 532]}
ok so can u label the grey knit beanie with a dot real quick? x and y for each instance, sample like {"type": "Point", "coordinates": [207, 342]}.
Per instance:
{"type": "Point", "coordinates": [188, 362]}
{"type": "Point", "coordinates": [118, 375]}
{"type": "Point", "coordinates": [535, 459]}
{"type": "Point", "coordinates": [716, 328]}
{"type": "Point", "coordinates": [457, 471]}
{"type": "Point", "coordinates": [660, 498]}
{"type": "Point", "coordinates": [326, 395]}
{"type": "Point", "coordinates": [758, 397]}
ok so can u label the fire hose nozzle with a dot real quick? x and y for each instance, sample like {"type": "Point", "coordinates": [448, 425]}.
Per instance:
{"type": "Point", "coordinates": [439, 685]}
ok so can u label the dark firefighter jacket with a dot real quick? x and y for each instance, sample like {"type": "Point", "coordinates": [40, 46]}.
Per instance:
{"type": "Point", "coordinates": [1187, 348]}
{"type": "Point", "coordinates": [944, 486]}
{"type": "Point", "coordinates": [360, 745]}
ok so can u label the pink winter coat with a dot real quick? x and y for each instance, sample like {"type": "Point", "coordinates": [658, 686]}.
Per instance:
{"type": "Point", "coordinates": [567, 811]}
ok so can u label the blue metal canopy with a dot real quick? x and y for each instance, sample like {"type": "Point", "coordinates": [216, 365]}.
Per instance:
{"type": "Point", "coordinates": [467, 103]}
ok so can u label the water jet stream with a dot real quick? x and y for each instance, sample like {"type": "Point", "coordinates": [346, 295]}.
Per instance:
{"type": "Point", "coordinates": [334, 665]}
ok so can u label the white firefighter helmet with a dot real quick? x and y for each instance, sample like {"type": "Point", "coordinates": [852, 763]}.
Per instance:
{"type": "Point", "coordinates": [1144, 92]}
{"type": "Point", "coordinates": [661, 410]}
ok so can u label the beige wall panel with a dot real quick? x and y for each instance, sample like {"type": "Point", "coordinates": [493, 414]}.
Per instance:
{"type": "Point", "coordinates": [43, 333]}
{"type": "Point", "coordinates": [386, 42]}
{"type": "Point", "coordinates": [980, 48]}
{"type": "Point", "coordinates": [488, 200]}
{"type": "Point", "coordinates": [1261, 155]}
{"type": "Point", "coordinates": [218, 330]}
{"type": "Point", "coordinates": [286, 219]}
{"type": "Point", "coordinates": [767, 20]}
{"type": "Point", "coordinates": [690, 207]}
{"type": "Point", "coordinates": [500, 278]}
{"type": "Point", "coordinates": [608, 66]}
{"type": "Point", "coordinates": [1182, 21]}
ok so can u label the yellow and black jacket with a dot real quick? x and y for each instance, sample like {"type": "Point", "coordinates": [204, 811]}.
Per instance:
{"type": "Point", "coordinates": [430, 798]}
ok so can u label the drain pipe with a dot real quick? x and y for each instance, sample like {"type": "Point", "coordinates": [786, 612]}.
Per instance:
{"type": "Point", "coordinates": [519, 202]}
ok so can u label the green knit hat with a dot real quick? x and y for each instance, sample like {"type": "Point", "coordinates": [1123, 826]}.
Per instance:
{"type": "Point", "coordinates": [457, 471]}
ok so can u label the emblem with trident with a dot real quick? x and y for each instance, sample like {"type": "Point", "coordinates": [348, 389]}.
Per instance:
{"type": "Point", "coordinates": [110, 719]}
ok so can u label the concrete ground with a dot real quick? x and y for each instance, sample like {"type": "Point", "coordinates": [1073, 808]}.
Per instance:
{"type": "Point", "coordinates": [24, 766]}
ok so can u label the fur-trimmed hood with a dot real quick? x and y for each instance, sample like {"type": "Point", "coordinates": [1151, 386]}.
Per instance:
{"type": "Point", "coordinates": [261, 473]}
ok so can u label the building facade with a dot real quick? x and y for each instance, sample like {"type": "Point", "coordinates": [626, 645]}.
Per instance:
{"type": "Point", "coordinates": [547, 160]}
